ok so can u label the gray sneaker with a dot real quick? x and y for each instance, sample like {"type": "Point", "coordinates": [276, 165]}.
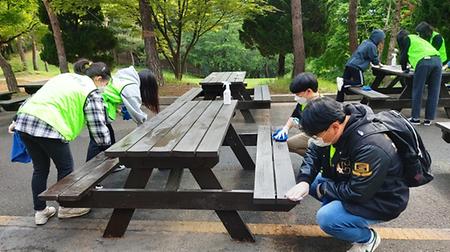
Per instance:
{"type": "Point", "coordinates": [368, 246]}
{"type": "Point", "coordinates": [65, 212]}
{"type": "Point", "coordinates": [41, 217]}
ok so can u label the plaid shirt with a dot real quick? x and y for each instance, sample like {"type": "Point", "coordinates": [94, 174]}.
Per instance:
{"type": "Point", "coordinates": [94, 112]}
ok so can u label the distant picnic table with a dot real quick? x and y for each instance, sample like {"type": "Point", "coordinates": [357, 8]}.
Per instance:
{"type": "Point", "coordinates": [32, 87]}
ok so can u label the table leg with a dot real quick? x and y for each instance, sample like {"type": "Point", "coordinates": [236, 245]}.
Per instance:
{"type": "Point", "coordinates": [238, 147]}
{"type": "Point", "coordinates": [231, 220]}
{"type": "Point", "coordinates": [244, 95]}
{"type": "Point", "coordinates": [120, 218]}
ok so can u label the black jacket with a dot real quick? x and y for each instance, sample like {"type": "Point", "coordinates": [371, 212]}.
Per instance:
{"type": "Point", "coordinates": [297, 113]}
{"type": "Point", "coordinates": [366, 52]}
{"type": "Point", "coordinates": [365, 171]}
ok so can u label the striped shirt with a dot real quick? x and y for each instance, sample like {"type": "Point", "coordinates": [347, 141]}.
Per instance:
{"type": "Point", "coordinates": [94, 112]}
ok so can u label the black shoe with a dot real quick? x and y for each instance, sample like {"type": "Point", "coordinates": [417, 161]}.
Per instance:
{"type": "Point", "coordinates": [427, 122]}
{"type": "Point", "coordinates": [414, 121]}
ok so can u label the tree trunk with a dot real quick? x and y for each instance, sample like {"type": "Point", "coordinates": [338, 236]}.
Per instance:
{"type": "Point", "coordinates": [148, 34]}
{"type": "Point", "coordinates": [46, 66]}
{"type": "Point", "coordinates": [297, 37]}
{"type": "Point", "coordinates": [281, 65]}
{"type": "Point", "coordinates": [34, 52]}
{"type": "Point", "coordinates": [395, 29]}
{"type": "Point", "coordinates": [352, 26]}
{"type": "Point", "coordinates": [21, 51]}
{"type": "Point", "coordinates": [132, 58]}
{"type": "Point", "coordinates": [57, 35]}
{"type": "Point", "coordinates": [11, 81]}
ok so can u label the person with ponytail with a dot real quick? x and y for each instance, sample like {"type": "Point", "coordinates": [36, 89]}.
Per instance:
{"type": "Point", "coordinates": [55, 116]}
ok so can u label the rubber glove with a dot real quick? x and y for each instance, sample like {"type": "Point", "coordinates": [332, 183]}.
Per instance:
{"type": "Point", "coordinates": [125, 114]}
{"type": "Point", "coordinates": [298, 192]}
{"type": "Point", "coordinates": [281, 135]}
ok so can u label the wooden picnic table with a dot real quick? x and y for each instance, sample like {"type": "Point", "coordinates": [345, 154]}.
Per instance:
{"type": "Point", "coordinates": [445, 128]}
{"type": "Point", "coordinates": [32, 87]}
{"type": "Point", "coordinates": [404, 90]}
{"type": "Point", "coordinates": [6, 95]}
{"type": "Point", "coordinates": [213, 87]}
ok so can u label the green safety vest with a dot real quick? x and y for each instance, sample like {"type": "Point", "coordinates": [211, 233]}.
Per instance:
{"type": "Point", "coordinates": [442, 50]}
{"type": "Point", "coordinates": [60, 103]}
{"type": "Point", "coordinates": [112, 97]}
{"type": "Point", "coordinates": [419, 49]}
{"type": "Point", "coordinates": [332, 151]}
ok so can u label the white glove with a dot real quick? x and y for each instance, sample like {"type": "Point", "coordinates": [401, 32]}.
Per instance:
{"type": "Point", "coordinates": [298, 192]}
{"type": "Point", "coordinates": [282, 133]}
{"type": "Point", "coordinates": [11, 127]}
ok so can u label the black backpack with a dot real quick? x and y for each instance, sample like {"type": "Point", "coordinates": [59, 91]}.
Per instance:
{"type": "Point", "coordinates": [415, 158]}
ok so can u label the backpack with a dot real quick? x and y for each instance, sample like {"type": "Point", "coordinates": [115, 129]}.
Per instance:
{"type": "Point", "coordinates": [415, 158]}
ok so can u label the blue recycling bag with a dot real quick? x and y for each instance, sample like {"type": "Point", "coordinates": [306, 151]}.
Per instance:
{"type": "Point", "coordinates": [125, 114]}
{"type": "Point", "coordinates": [18, 151]}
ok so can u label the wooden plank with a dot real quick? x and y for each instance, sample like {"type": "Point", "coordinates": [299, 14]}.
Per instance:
{"type": "Point", "coordinates": [195, 135]}
{"type": "Point", "coordinates": [444, 126]}
{"type": "Point", "coordinates": [17, 99]}
{"type": "Point", "coordinates": [142, 147]}
{"type": "Point", "coordinates": [237, 77]}
{"type": "Point", "coordinates": [284, 174]}
{"type": "Point", "coordinates": [119, 149]}
{"type": "Point", "coordinates": [173, 182]}
{"type": "Point", "coordinates": [165, 145]}
{"type": "Point", "coordinates": [6, 95]}
{"type": "Point", "coordinates": [189, 95]}
{"type": "Point", "coordinates": [53, 192]}
{"type": "Point", "coordinates": [209, 78]}
{"type": "Point", "coordinates": [264, 187]}
{"type": "Point", "coordinates": [209, 147]}
{"type": "Point", "coordinates": [258, 96]}
{"type": "Point", "coordinates": [266, 93]}
{"type": "Point", "coordinates": [82, 186]}
{"type": "Point", "coordinates": [371, 94]}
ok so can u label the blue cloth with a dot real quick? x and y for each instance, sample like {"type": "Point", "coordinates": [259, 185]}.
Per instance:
{"type": "Point", "coordinates": [334, 220]}
{"type": "Point", "coordinates": [18, 151]}
{"type": "Point", "coordinates": [125, 114]}
{"type": "Point", "coordinates": [283, 138]}
{"type": "Point", "coordinates": [366, 88]}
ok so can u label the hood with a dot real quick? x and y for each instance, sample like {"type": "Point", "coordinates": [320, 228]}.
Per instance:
{"type": "Point", "coordinates": [401, 35]}
{"type": "Point", "coordinates": [359, 115]}
{"type": "Point", "coordinates": [127, 76]}
{"type": "Point", "coordinates": [377, 36]}
{"type": "Point", "coordinates": [424, 30]}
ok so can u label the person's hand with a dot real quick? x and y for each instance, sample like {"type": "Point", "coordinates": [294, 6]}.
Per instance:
{"type": "Point", "coordinates": [298, 192]}
{"type": "Point", "coordinates": [11, 127]}
{"type": "Point", "coordinates": [281, 135]}
{"type": "Point", "coordinates": [125, 114]}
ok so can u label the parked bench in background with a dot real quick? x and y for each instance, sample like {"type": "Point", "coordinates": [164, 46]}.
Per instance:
{"type": "Point", "coordinates": [6, 95]}
{"type": "Point", "coordinates": [261, 98]}
{"type": "Point", "coordinates": [32, 87]}
{"type": "Point", "coordinates": [14, 103]}
{"type": "Point", "coordinates": [445, 128]}
{"type": "Point", "coordinates": [370, 97]}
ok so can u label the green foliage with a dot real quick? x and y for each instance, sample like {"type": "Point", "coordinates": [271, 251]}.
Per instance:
{"type": "Point", "coordinates": [16, 17]}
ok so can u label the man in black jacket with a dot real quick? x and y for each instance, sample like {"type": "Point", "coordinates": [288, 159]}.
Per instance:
{"type": "Point", "coordinates": [353, 168]}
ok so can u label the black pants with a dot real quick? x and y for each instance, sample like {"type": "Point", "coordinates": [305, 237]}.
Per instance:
{"type": "Point", "coordinates": [41, 151]}
{"type": "Point", "coordinates": [94, 149]}
{"type": "Point", "coordinates": [352, 77]}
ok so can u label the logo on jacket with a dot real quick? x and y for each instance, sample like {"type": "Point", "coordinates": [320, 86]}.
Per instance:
{"type": "Point", "coordinates": [362, 170]}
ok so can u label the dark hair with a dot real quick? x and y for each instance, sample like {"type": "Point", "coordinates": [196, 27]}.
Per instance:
{"type": "Point", "coordinates": [302, 82]}
{"type": "Point", "coordinates": [149, 90]}
{"type": "Point", "coordinates": [92, 69]}
{"type": "Point", "coordinates": [401, 36]}
{"type": "Point", "coordinates": [320, 113]}
{"type": "Point", "coordinates": [424, 30]}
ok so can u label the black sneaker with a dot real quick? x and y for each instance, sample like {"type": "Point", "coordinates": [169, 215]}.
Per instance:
{"type": "Point", "coordinates": [427, 122]}
{"type": "Point", "coordinates": [414, 121]}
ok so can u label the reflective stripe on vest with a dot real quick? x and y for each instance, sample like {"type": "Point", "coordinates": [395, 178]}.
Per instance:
{"type": "Point", "coordinates": [419, 49]}
{"type": "Point", "coordinates": [332, 151]}
{"type": "Point", "coordinates": [442, 50]}
{"type": "Point", "coordinates": [60, 103]}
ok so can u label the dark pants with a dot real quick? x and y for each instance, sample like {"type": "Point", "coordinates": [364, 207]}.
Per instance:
{"type": "Point", "coordinates": [41, 151]}
{"type": "Point", "coordinates": [94, 149]}
{"type": "Point", "coordinates": [427, 71]}
{"type": "Point", "coordinates": [352, 77]}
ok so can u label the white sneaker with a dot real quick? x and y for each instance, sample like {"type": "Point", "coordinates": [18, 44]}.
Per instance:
{"type": "Point", "coordinates": [65, 212]}
{"type": "Point", "coordinates": [41, 217]}
{"type": "Point", "coordinates": [119, 168]}
{"type": "Point", "coordinates": [369, 246]}
{"type": "Point", "coordinates": [339, 83]}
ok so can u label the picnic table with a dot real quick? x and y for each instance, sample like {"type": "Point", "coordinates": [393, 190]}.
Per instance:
{"type": "Point", "coordinates": [445, 128]}
{"type": "Point", "coordinates": [212, 86]}
{"type": "Point", "coordinates": [32, 87]}
{"type": "Point", "coordinates": [6, 95]}
{"type": "Point", "coordinates": [397, 97]}
{"type": "Point", "coordinates": [186, 135]}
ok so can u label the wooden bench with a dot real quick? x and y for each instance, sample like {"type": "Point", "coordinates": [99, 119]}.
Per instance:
{"type": "Point", "coordinates": [190, 95]}
{"type": "Point", "coordinates": [370, 97]}
{"type": "Point", "coordinates": [261, 98]}
{"type": "Point", "coordinates": [78, 184]}
{"type": "Point", "coordinates": [6, 95]}
{"type": "Point", "coordinates": [13, 104]}
{"type": "Point", "coordinates": [274, 174]}
{"type": "Point", "coordinates": [445, 128]}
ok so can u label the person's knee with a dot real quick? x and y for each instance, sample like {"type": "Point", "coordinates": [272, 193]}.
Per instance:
{"type": "Point", "coordinates": [326, 219]}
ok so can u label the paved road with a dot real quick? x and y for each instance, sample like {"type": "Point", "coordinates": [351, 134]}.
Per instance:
{"type": "Point", "coordinates": [424, 226]}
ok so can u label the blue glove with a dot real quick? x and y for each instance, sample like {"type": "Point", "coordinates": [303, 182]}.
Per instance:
{"type": "Point", "coordinates": [366, 88]}
{"type": "Point", "coordinates": [280, 135]}
{"type": "Point", "coordinates": [125, 114]}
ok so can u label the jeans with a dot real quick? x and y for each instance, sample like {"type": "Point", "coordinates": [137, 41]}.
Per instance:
{"type": "Point", "coordinates": [352, 77]}
{"type": "Point", "coordinates": [334, 220]}
{"type": "Point", "coordinates": [41, 151]}
{"type": "Point", "coordinates": [94, 149]}
{"type": "Point", "coordinates": [427, 71]}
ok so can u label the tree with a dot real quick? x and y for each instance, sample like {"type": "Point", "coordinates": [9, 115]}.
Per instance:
{"type": "Point", "coordinates": [148, 34]}
{"type": "Point", "coordinates": [394, 29]}
{"type": "Point", "coordinates": [57, 35]}
{"type": "Point", "coordinates": [21, 50]}
{"type": "Point", "coordinates": [175, 19]}
{"type": "Point", "coordinates": [352, 27]}
{"type": "Point", "coordinates": [297, 37]}
{"type": "Point", "coordinates": [34, 52]}
{"type": "Point", "coordinates": [17, 17]}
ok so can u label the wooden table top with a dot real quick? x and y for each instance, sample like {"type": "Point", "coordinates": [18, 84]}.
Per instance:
{"type": "Point", "coordinates": [33, 84]}
{"type": "Point", "coordinates": [445, 126]}
{"type": "Point", "coordinates": [397, 70]}
{"type": "Point", "coordinates": [184, 129]}
{"type": "Point", "coordinates": [216, 78]}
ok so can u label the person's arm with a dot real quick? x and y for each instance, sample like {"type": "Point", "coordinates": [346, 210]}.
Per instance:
{"type": "Point", "coordinates": [94, 111]}
{"type": "Point", "coordinates": [368, 174]}
{"type": "Point", "coordinates": [404, 53]}
{"type": "Point", "coordinates": [437, 42]}
{"type": "Point", "coordinates": [311, 163]}
{"type": "Point", "coordinates": [373, 55]}
{"type": "Point", "coordinates": [131, 97]}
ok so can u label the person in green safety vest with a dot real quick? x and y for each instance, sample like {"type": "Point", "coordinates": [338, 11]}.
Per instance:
{"type": "Point", "coordinates": [54, 116]}
{"type": "Point", "coordinates": [126, 91]}
{"type": "Point", "coordinates": [427, 65]}
{"type": "Point", "coordinates": [426, 32]}
{"type": "Point", "coordinates": [304, 87]}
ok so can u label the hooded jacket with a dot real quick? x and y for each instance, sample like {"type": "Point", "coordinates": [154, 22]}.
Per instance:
{"type": "Point", "coordinates": [365, 172]}
{"type": "Point", "coordinates": [367, 51]}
